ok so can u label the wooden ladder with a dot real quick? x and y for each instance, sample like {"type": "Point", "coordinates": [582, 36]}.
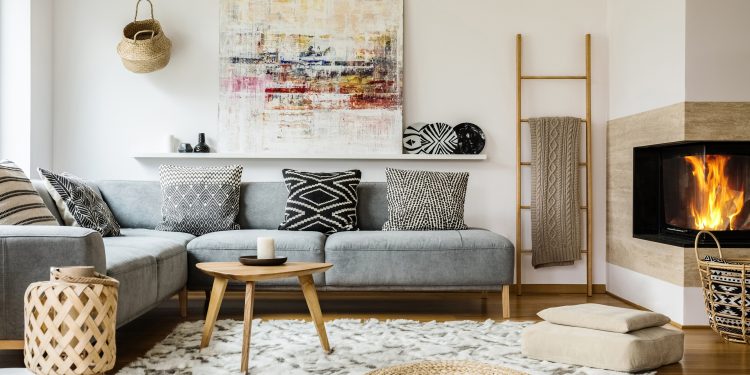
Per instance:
{"type": "Point", "coordinates": [520, 251]}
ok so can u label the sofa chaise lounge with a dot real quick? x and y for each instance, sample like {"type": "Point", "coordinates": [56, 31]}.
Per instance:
{"type": "Point", "coordinates": [153, 266]}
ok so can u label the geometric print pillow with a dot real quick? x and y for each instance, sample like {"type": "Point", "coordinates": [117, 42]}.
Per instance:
{"type": "Point", "coordinates": [20, 204]}
{"type": "Point", "coordinates": [321, 202]}
{"type": "Point", "coordinates": [199, 200]}
{"type": "Point", "coordinates": [79, 204]}
{"type": "Point", "coordinates": [424, 200]}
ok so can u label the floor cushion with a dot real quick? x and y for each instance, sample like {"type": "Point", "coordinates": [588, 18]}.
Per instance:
{"type": "Point", "coordinates": [474, 259]}
{"type": "Point", "coordinates": [603, 317]}
{"type": "Point", "coordinates": [641, 350]}
{"type": "Point", "coordinates": [228, 246]}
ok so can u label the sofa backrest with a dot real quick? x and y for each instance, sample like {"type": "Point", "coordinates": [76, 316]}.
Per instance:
{"type": "Point", "coordinates": [137, 204]}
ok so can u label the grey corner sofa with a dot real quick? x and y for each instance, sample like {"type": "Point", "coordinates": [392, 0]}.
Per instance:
{"type": "Point", "coordinates": [153, 266]}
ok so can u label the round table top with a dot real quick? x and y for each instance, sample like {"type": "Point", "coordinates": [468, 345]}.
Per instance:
{"type": "Point", "coordinates": [238, 271]}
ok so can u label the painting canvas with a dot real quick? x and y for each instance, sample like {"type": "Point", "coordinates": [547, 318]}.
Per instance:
{"type": "Point", "coordinates": [311, 76]}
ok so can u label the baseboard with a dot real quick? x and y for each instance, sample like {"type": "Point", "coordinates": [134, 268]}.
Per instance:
{"type": "Point", "coordinates": [639, 307]}
{"type": "Point", "coordinates": [11, 344]}
{"type": "Point", "coordinates": [559, 288]}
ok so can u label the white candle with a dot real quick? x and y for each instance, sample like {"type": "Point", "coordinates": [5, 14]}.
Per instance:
{"type": "Point", "coordinates": [266, 248]}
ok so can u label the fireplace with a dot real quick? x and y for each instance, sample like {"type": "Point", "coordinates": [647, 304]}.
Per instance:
{"type": "Point", "coordinates": [682, 188]}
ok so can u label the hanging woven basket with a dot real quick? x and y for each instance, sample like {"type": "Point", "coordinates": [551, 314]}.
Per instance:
{"type": "Point", "coordinates": [726, 293]}
{"type": "Point", "coordinates": [70, 325]}
{"type": "Point", "coordinates": [144, 48]}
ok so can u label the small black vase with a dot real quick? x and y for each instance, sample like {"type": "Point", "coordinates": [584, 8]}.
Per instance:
{"type": "Point", "coordinates": [201, 146]}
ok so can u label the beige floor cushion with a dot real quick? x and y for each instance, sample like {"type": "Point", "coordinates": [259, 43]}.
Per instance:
{"type": "Point", "coordinates": [603, 317]}
{"type": "Point", "coordinates": [636, 351]}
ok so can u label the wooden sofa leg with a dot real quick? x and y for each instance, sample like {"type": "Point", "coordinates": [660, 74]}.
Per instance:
{"type": "Point", "coordinates": [506, 301]}
{"type": "Point", "coordinates": [183, 298]}
{"type": "Point", "coordinates": [11, 344]}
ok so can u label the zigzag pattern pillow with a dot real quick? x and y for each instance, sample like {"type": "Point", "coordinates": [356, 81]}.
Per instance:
{"type": "Point", "coordinates": [79, 204]}
{"type": "Point", "coordinates": [423, 200]}
{"type": "Point", "coordinates": [321, 202]}
{"type": "Point", "coordinates": [199, 200]}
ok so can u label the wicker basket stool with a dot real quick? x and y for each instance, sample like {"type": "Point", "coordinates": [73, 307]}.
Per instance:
{"type": "Point", "coordinates": [70, 325]}
{"type": "Point", "coordinates": [726, 293]}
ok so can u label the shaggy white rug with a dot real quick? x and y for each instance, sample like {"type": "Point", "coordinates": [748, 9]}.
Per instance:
{"type": "Point", "coordinates": [291, 347]}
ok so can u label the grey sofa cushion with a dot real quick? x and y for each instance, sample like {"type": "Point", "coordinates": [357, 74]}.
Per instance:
{"type": "Point", "coordinates": [227, 246]}
{"type": "Point", "coordinates": [150, 265]}
{"type": "Point", "coordinates": [135, 204]}
{"type": "Point", "coordinates": [466, 258]}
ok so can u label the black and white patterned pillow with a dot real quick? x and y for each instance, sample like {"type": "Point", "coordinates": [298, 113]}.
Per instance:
{"type": "Point", "coordinates": [199, 200]}
{"type": "Point", "coordinates": [79, 204]}
{"type": "Point", "coordinates": [321, 202]}
{"type": "Point", "coordinates": [423, 200]}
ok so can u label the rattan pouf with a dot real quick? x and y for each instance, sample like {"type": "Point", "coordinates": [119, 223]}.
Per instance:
{"type": "Point", "coordinates": [446, 368]}
{"type": "Point", "coordinates": [70, 325]}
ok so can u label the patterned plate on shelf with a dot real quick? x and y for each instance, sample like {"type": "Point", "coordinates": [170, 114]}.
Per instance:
{"type": "Point", "coordinates": [437, 138]}
{"type": "Point", "coordinates": [470, 138]}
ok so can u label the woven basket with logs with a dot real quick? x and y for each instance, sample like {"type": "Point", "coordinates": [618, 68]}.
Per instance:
{"type": "Point", "coordinates": [70, 325]}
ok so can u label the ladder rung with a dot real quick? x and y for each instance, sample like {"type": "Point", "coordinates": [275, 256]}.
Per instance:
{"type": "Point", "coordinates": [526, 121]}
{"type": "Point", "coordinates": [554, 77]}
{"type": "Point", "coordinates": [529, 207]}
{"type": "Point", "coordinates": [527, 163]}
{"type": "Point", "coordinates": [529, 251]}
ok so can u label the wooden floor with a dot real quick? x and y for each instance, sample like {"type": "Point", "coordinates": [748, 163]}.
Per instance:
{"type": "Point", "coordinates": [705, 352]}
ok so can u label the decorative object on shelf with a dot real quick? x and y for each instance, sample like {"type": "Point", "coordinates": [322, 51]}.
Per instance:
{"type": "Point", "coordinates": [425, 200]}
{"type": "Point", "coordinates": [185, 148]}
{"type": "Point", "coordinates": [169, 143]}
{"type": "Point", "coordinates": [79, 204]}
{"type": "Point", "coordinates": [144, 48]}
{"type": "Point", "coordinates": [724, 283]}
{"type": "Point", "coordinates": [437, 138]}
{"type": "Point", "coordinates": [266, 248]}
{"type": "Point", "coordinates": [252, 260]}
{"type": "Point", "coordinates": [201, 147]}
{"type": "Point", "coordinates": [470, 138]}
{"type": "Point", "coordinates": [70, 323]}
{"type": "Point", "coordinates": [199, 200]}
{"type": "Point", "coordinates": [320, 201]}
{"type": "Point", "coordinates": [276, 91]}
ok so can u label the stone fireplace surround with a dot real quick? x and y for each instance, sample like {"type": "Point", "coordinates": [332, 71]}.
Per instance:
{"type": "Point", "coordinates": [658, 276]}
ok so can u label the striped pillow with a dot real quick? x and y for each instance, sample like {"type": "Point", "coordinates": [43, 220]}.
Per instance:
{"type": "Point", "coordinates": [20, 204]}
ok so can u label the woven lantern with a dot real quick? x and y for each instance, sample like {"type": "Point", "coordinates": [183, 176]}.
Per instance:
{"type": "Point", "coordinates": [70, 325]}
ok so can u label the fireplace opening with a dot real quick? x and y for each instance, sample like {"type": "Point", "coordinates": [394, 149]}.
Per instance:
{"type": "Point", "coordinates": [682, 188]}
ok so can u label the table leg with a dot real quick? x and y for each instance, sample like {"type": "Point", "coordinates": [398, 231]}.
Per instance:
{"type": "Point", "coordinates": [248, 324]}
{"type": "Point", "coordinates": [217, 295]}
{"type": "Point", "coordinates": [311, 296]}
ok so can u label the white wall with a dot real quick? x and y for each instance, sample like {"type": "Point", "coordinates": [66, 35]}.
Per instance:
{"type": "Point", "coordinates": [26, 82]}
{"type": "Point", "coordinates": [717, 50]}
{"type": "Point", "coordinates": [647, 55]}
{"type": "Point", "coordinates": [459, 66]}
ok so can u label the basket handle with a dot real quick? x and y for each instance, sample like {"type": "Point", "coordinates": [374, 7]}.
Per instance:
{"type": "Point", "coordinates": [135, 37]}
{"type": "Point", "coordinates": [697, 239]}
{"type": "Point", "coordinates": [136, 9]}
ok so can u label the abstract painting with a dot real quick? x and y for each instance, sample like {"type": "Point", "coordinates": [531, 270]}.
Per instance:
{"type": "Point", "coordinates": [311, 76]}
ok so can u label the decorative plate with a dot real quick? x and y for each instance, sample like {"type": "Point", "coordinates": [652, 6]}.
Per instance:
{"type": "Point", "coordinates": [437, 138]}
{"type": "Point", "coordinates": [470, 138]}
{"type": "Point", "coordinates": [252, 260]}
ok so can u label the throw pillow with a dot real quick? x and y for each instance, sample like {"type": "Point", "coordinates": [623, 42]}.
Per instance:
{"type": "Point", "coordinates": [423, 200]}
{"type": "Point", "coordinates": [79, 204]}
{"type": "Point", "coordinates": [199, 200]}
{"type": "Point", "coordinates": [20, 204]}
{"type": "Point", "coordinates": [321, 202]}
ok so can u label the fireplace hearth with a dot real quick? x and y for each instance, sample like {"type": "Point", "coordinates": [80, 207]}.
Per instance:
{"type": "Point", "coordinates": [682, 188]}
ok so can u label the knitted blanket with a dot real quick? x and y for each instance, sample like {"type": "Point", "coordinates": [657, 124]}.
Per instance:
{"type": "Point", "coordinates": [555, 191]}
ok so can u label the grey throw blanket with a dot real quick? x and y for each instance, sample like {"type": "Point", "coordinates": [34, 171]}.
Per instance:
{"type": "Point", "coordinates": [555, 191]}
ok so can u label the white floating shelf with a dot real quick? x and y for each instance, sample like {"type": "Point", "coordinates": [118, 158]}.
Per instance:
{"type": "Point", "coordinates": [175, 155]}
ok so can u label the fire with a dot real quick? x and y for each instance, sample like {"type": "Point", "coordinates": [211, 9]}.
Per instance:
{"type": "Point", "coordinates": [715, 204]}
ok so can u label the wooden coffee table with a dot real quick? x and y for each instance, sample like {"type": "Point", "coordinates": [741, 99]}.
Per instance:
{"type": "Point", "coordinates": [222, 272]}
